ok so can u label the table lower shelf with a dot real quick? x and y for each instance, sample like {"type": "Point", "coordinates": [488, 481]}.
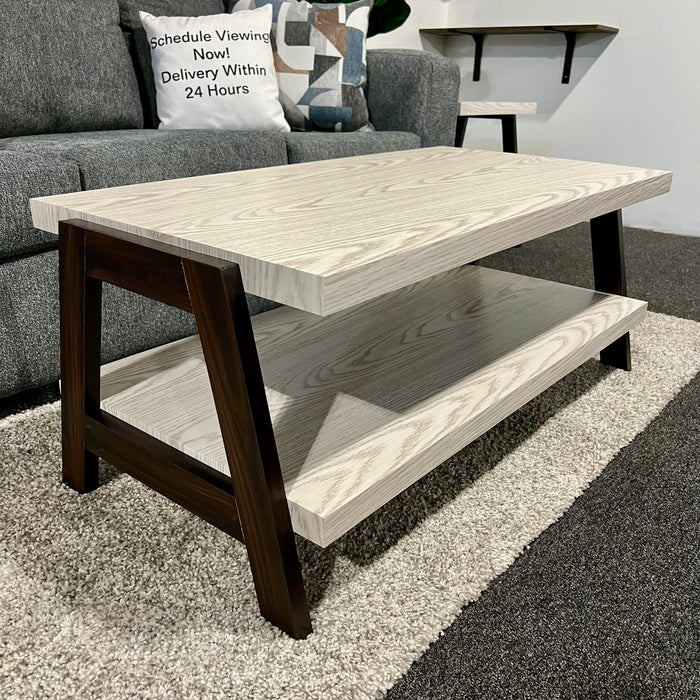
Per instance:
{"type": "Point", "coordinates": [367, 401]}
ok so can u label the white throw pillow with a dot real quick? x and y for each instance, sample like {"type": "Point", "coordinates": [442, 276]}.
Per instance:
{"type": "Point", "coordinates": [215, 71]}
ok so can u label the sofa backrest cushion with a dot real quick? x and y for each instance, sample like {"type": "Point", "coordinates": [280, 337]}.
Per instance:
{"type": "Point", "coordinates": [65, 67]}
{"type": "Point", "coordinates": [136, 36]}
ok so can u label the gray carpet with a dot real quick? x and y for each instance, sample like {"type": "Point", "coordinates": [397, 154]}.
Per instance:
{"type": "Point", "coordinates": [605, 603]}
{"type": "Point", "coordinates": [661, 268]}
{"type": "Point", "coordinates": [121, 594]}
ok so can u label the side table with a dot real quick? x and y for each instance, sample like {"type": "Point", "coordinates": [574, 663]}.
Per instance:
{"type": "Point", "coordinates": [507, 112]}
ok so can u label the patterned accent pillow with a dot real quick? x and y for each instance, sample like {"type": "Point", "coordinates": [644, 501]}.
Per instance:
{"type": "Point", "coordinates": [321, 64]}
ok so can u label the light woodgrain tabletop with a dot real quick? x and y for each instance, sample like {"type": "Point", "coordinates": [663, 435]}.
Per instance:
{"type": "Point", "coordinates": [324, 236]}
{"type": "Point", "coordinates": [487, 109]}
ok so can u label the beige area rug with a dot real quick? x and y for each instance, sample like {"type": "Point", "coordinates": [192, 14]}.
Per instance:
{"type": "Point", "coordinates": [121, 594]}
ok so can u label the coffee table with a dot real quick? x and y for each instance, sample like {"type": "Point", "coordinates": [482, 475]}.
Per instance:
{"type": "Point", "coordinates": [390, 354]}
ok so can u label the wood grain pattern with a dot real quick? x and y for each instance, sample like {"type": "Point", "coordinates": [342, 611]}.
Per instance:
{"type": "Point", "coordinates": [493, 109]}
{"type": "Point", "coordinates": [367, 401]}
{"type": "Point", "coordinates": [523, 29]}
{"type": "Point", "coordinates": [325, 236]}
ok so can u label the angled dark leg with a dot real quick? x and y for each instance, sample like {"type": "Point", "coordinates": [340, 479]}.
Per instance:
{"type": "Point", "coordinates": [510, 133]}
{"type": "Point", "coordinates": [252, 504]}
{"type": "Point", "coordinates": [478, 53]}
{"type": "Point", "coordinates": [219, 304]}
{"type": "Point", "coordinates": [610, 277]}
{"type": "Point", "coordinates": [81, 317]}
{"type": "Point", "coordinates": [461, 131]}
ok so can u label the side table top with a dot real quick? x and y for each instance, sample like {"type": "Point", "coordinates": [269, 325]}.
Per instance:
{"type": "Point", "coordinates": [324, 236]}
{"type": "Point", "coordinates": [487, 109]}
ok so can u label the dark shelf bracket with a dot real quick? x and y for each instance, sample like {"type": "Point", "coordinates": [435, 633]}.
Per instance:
{"type": "Point", "coordinates": [570, 44]}
{"type": "Point", "coordinates": [570, 37]}
{"type": "Point", "coordinates": [569, 57]}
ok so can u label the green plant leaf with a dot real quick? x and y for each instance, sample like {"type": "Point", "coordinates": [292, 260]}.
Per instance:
{"type": "Point", "coordinates": [385, 16]}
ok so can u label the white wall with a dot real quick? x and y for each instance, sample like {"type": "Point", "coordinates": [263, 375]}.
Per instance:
{"type": "Point", "coordinates": [632, 99]}
{"type": "Point", "coordinates": [424, 13]}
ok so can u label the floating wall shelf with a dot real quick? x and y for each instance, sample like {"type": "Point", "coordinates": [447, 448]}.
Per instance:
{"type": "Point", "coordinates": [568, 30]}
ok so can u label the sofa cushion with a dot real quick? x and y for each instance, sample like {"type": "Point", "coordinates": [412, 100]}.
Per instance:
{"type": "Point", "coordinates": [114, 158]}
{"type": "Point", "coordinates": [65, 67]}
{"type": "Point", "coordinates": [303, 147]}
{"type": "Point", "coordinates": [129, 17]}
{"type": "Point", "coordinates": [25, 175]}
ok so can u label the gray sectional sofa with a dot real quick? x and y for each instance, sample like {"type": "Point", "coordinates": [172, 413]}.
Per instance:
{"type": "Point", "coordinates": [77, 112]}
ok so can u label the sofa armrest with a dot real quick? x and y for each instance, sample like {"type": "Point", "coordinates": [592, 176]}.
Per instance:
{"type": "Point", "coordinates": [413, 91]}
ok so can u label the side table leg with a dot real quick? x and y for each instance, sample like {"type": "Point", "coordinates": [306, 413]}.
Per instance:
{"type": "Point", "coordinates": [610, 277]}
{"type": "Point", "coordinates": [220, 307]}
{"type": "Point", "coordinates": [509, 131]}
{"type": "Point", "coordinates": [461, 131]}
{"type": "Point", "coordinates": [81, 319]}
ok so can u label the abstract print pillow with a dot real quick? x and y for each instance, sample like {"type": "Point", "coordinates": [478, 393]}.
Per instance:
{"type": "Point", "coordinates": [320, 59]}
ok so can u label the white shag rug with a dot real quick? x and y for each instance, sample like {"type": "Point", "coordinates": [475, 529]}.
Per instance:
{"type": "Point", "coordinates": [122, 594]}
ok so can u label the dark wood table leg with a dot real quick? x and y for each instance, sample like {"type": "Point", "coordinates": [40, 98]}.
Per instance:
{"type": "Point", "coordinates": [461, 131]}
{"type": "Point", "coordinates": [509, 131]}
{"type": "Point", "coordinates": [610, 277]}
{"type": "Point", "coordinates": [81, 318]}
{"type": "Point", "coordinates": [212, 289]}
{"type": "Point", "coordinates": [219, 304]}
